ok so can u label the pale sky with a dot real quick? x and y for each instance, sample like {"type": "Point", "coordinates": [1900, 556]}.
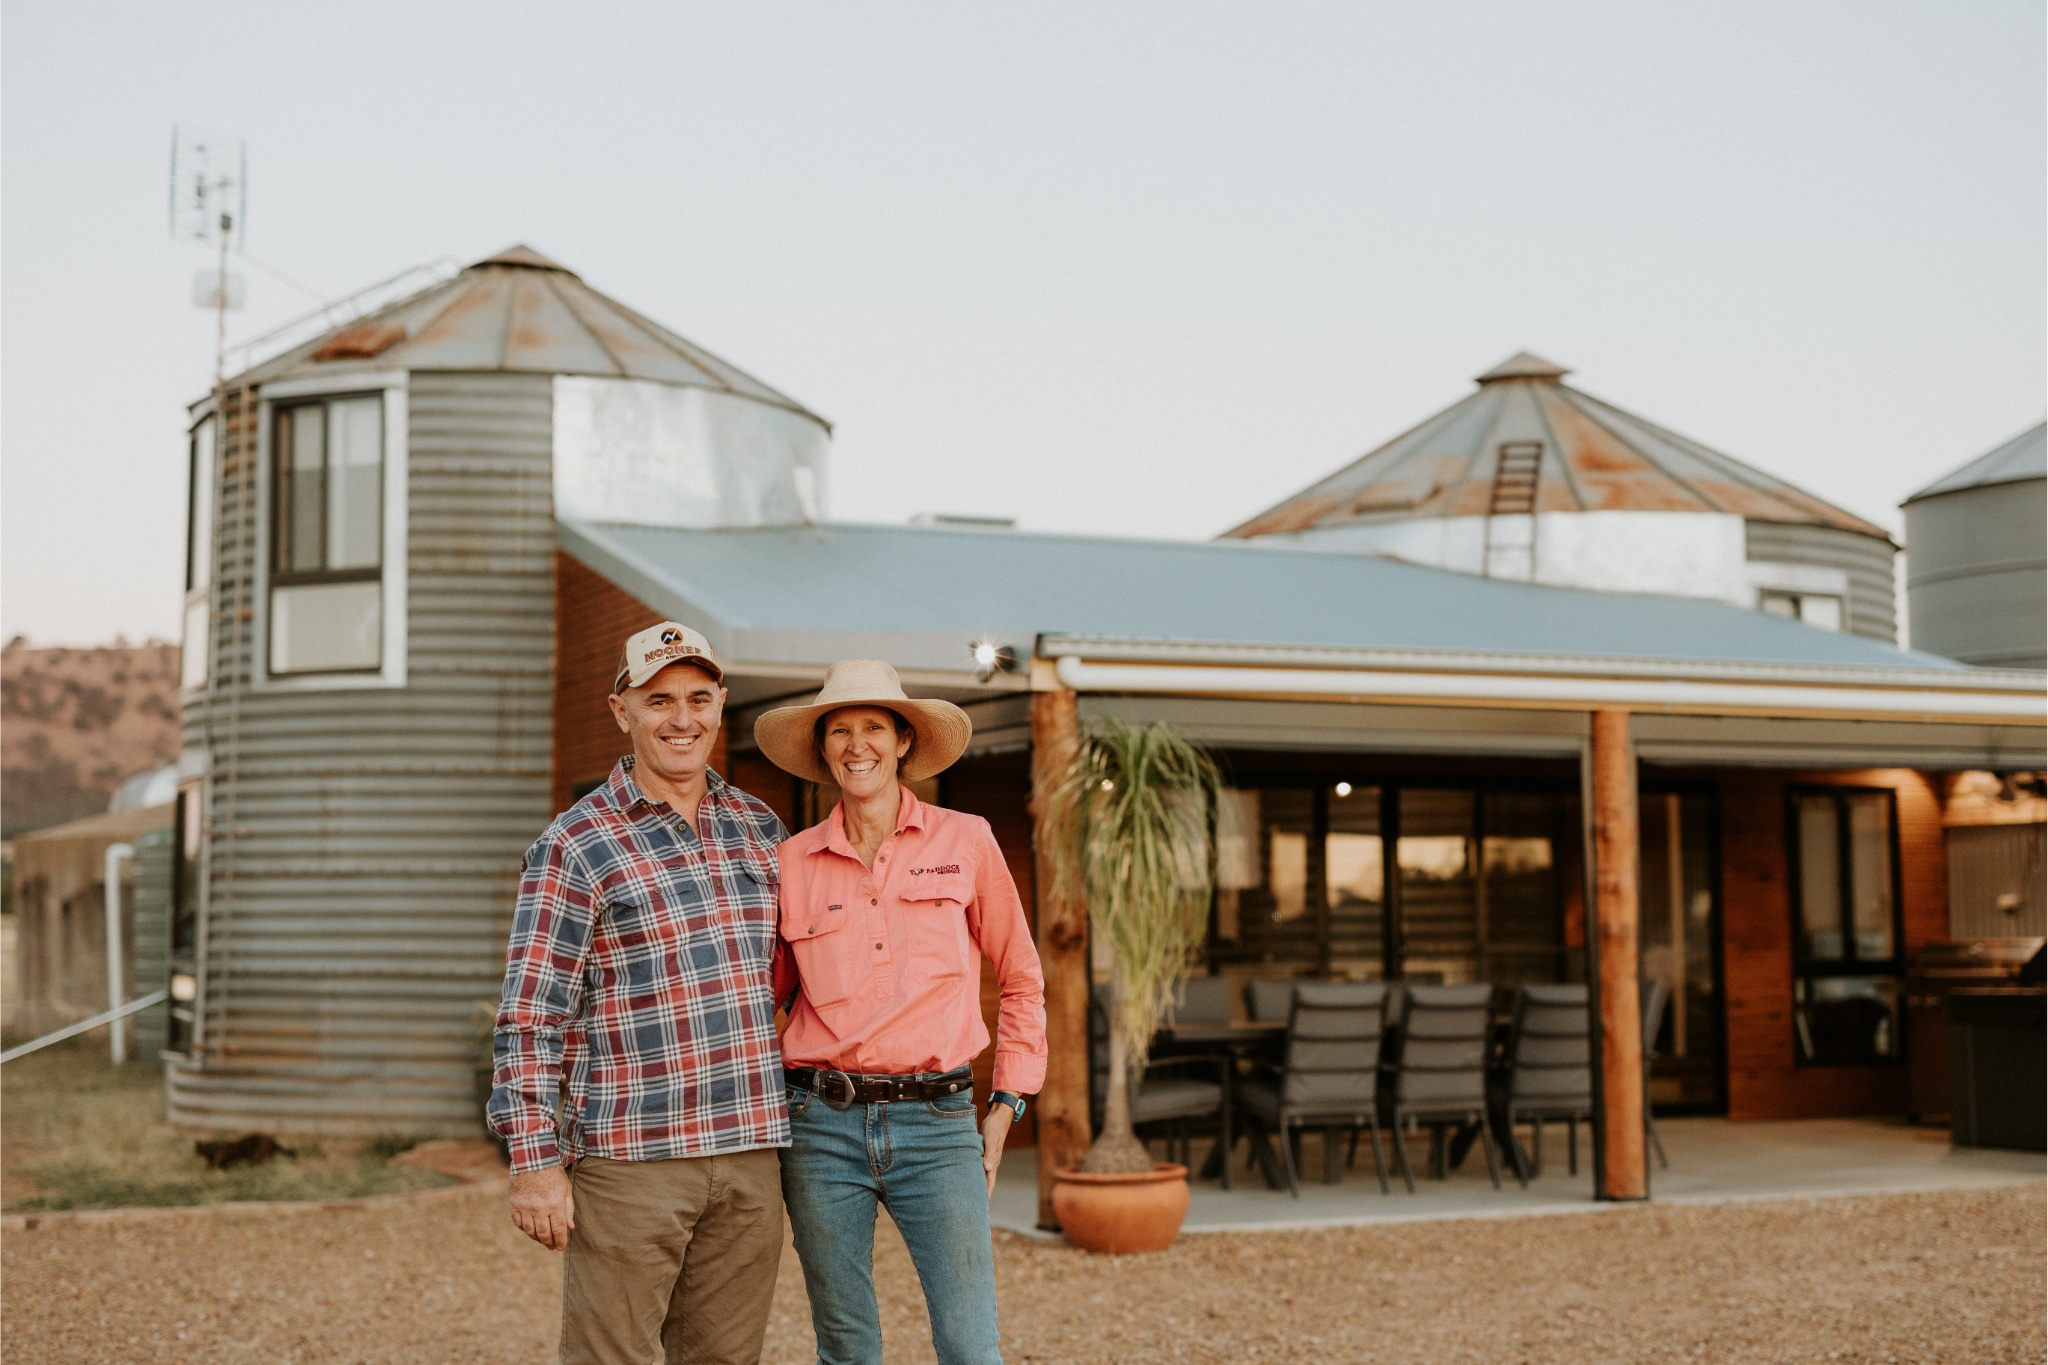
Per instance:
{"type": "Point", "coordinates": [1113, 268]}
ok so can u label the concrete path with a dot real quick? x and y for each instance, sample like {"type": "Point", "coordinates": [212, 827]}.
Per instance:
{"type": "Point", "coordinates": [1713, 1161]}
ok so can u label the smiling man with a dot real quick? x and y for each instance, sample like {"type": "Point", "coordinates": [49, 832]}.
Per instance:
{"type": "Point", "coordinates": [639, 972]}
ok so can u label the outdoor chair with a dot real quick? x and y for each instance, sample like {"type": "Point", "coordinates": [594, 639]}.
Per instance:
{"type": "Point", "coordinates": [1656, 995]}
{"type": "Point", "coordinates": [1442, 1075]}
{"type": "Point", "coordinates": [1329, 1078]}
{"type": "Point", "coordinates": [1202, 1000]}
{"type": "Point", "coordinates": [1168, 1099]}
{"type": "Point", "coordinates": [1550, 1074]}
{"type": "Point", "coordinates": [1269, 999]}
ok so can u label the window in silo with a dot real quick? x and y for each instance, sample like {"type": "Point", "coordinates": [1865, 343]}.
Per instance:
{"type": "Point", "coordinates": [198, 558]}
{"type": "Point", "coordinates": [326, 596]}
{"type": "Point", "coordinates": [1820, 610]}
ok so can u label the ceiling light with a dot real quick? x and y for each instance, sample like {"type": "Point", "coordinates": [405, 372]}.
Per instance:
{"type": "Point", "coordinates": [991, 658]}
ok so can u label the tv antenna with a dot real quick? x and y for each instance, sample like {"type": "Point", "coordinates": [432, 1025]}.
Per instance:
{"type": "Point", "coordinates": [209, 204]}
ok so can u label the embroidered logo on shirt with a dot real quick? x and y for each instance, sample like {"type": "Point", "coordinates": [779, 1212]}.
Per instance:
{"type": "Point", "coordinates": [835, 907]}
{"type": "Point", "coordinates": [949, 870]}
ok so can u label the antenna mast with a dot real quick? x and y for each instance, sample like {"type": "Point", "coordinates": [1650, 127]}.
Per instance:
{"type": "Point", "coordinates": [209, 204]}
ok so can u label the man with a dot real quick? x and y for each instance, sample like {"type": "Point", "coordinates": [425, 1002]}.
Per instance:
{"type": "Point", "coordinates": [639, 968]}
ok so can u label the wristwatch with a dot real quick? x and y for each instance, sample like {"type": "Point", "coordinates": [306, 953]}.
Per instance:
{"type": "Point", "coordinates": [1015, 1103]}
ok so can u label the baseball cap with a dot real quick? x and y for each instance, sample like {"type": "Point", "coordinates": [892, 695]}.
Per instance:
{"type": "Point", "coordinates": [649, 651]}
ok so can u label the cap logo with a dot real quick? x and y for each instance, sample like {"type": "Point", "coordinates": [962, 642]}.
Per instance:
{"type": "Point", "coordinates": [658, 646]}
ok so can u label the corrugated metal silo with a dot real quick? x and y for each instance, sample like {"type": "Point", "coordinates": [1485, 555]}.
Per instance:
{"type": "Point", "coordinates": [1530, 478]}
{"type": "Point", "coordinates": [367, 751]}
{"type": "Point", "coordinates": [1977, 558]}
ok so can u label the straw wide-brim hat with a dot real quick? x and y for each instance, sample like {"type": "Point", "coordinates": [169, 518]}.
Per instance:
{"type": "Point", "coordinates": [787, 734]}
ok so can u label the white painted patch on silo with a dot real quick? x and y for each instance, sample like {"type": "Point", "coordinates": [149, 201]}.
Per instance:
{"type": "Point", "coordinates": [653, 454]}
{"type": "Point", "coordinates": [1678, 554]}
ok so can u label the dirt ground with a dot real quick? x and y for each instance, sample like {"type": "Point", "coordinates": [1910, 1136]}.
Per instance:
{"type": "Point", "coordinates": [1913, 1278]}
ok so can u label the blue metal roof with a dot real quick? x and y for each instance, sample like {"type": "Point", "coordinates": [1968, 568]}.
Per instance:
{"type": "Point", "coordinates": [918, 594]}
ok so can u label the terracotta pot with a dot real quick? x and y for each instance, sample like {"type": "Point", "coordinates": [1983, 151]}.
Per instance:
{"type": "Point", "coordinates": [1121, 1214]}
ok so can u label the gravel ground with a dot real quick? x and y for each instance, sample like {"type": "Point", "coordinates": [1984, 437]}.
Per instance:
{"type": "Point", "coordinates": [1937, 1277]}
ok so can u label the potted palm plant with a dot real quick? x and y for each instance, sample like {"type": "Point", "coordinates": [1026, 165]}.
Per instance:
{"type": "Point", "coordinates": [1131, 823]}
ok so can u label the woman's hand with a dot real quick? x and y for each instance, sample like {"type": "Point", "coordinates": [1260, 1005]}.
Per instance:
{"type": "Point", "coordinates": [995, 1129]}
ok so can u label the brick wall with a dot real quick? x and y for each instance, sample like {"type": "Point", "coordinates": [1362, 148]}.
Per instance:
{"type": "Point", "coordinates": [1764, 1080]}
{"type": "Point", "coordinates": [755, 775]}
{"type": "Point", "coordinates": [593, 617]}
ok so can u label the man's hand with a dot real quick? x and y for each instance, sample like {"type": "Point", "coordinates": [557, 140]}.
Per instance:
{"type": "Point", "coordinates": [545, 1210]}
{"type": "Point", "coordinates": [994, 1130]}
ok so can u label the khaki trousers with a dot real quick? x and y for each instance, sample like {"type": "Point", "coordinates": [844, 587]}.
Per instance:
{"type": "Point", "coordinates": [672, 1261]}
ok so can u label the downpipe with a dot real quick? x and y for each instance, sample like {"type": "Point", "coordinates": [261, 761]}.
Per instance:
{"type": "Point", "coordinates": [117, 973]}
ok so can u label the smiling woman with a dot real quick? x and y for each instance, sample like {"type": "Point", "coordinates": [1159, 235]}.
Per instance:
{"type": "Point", "coordinates": [886, 908]}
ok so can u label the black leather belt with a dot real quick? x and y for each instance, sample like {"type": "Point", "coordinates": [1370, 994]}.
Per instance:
{"type": "Point", "coordinates": [842, 1090]}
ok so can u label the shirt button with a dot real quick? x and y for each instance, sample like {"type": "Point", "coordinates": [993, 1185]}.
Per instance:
{"type": "Point", "coordinates": [878, 947]}
{"type": "Point", "coordinates": [874, 902]}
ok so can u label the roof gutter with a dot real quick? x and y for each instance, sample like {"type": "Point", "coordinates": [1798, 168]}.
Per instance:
{"type": "Point", "coordinates": [1971, 699]}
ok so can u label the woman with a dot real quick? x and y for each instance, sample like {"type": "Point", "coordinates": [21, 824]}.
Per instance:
{"type": "Point", "coordinates": [886, 909]}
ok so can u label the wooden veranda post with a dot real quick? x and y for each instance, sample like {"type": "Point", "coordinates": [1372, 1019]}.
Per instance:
{"type": "Point", "coordinates": [1620, 1170]}
{"type": "Point", "coordinates": [1063, 1129]}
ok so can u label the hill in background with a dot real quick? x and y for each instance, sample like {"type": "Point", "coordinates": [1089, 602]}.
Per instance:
{"type": "Point", "coordinates": [74, 723]}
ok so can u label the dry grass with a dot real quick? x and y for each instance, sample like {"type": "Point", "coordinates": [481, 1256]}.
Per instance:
{"type": "Point", "coordinates": [77, 1132]}
{"type": "Point", "coordinates": [1912, 1278]}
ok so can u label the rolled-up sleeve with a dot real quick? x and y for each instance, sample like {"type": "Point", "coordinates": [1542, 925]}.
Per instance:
{"type": "Point", "coordinates": [551, 927]}
{"type": "Point", "coordinates": [1000, 925]}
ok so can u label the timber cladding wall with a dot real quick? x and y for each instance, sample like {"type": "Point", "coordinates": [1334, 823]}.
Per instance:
{"type": "Point", "coordinates": [1764, 1079]}
{"type": "Point", "coordinates": [593, 617]}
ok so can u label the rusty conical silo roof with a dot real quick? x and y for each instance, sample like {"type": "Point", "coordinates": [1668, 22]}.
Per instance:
{"type": "Point", "coordinates": [1594, 457]}
{"type": "Point", "coordinates": [517, 311]}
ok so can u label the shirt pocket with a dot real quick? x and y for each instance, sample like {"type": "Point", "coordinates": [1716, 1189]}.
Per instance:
{"type": "Point", "coordinates": [817, 937]}
{"type": "Point", "coordinates": [941, 949]}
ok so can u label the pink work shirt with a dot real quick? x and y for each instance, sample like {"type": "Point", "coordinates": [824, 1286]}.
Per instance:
{"type": "Point", "coordinates": [889, 958]}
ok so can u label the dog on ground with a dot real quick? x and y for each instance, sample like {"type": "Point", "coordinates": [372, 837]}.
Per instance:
{"type": "Point", "coordinates": [251, 1150]}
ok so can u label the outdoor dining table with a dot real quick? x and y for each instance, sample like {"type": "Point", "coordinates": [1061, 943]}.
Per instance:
{"type": "Point", "coordinates": [1228, 1043]}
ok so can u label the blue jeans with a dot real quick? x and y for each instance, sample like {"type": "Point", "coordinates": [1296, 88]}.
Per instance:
{"type": "Point", "coordinates": [921, 1159]}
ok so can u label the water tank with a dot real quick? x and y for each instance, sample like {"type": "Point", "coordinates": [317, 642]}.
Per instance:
{"type": "Point", "coordinates": [1977, 558]}
{"type": "Point", "coordinates": [1532, 479]}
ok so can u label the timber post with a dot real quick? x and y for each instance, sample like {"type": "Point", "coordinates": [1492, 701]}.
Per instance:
{"type": "Point", "coordinates": [1620, 1166]}
{"type": "Point", "coordinates": [1063, 1126]}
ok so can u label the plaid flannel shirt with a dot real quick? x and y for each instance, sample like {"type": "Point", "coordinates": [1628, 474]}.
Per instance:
{"type": "Point", "coordinates": [639, 966]}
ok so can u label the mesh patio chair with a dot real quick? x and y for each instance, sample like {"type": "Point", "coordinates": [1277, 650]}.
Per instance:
{"type": "Point", "coordinates": [1329, 1078]}
{"type": "Point", "coordinates": [1551, 1072]}
{"type": "Point", "coordinates": [1442, 1076]}
{"type": "Point", "coordinates": [1269, 999]}
{"type": "Point", "coordinates": [1168, 1099]}
{"type": "Point", "coordinates": [1656, 996]}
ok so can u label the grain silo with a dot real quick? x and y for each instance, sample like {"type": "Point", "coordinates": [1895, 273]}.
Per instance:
{"type": "Point", "coordinates": [1977, 558]}
{"type": "Point", "coordinates": [370, 626]}
{"type": "Point", "coordinates": [1529, 478]}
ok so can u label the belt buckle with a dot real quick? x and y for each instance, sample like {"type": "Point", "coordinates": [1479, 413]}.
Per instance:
{"type": "Point", "coordinates": [833, 1083]}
